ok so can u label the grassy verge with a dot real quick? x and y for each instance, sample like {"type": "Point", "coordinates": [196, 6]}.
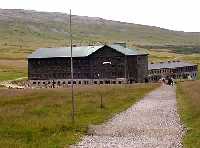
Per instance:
{"type": "Point", "coordinates": [41, 118]}
{"type": "Point", "coordinates": [188, 96]}
{"type": "Point", "coordinates": [12, 69]}
{"type": "Point", "coordinates": [11, 75]}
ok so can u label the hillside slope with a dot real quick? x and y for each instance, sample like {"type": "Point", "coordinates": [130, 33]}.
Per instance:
{"type": "Point", "coordinates": [23, 30]}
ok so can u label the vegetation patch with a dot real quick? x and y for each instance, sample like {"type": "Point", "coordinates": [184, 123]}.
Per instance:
{"type": "Point", "coordinates": [188, 96]}
{"type": "Point", "coordinates": [42, 117]}
{"type": "Point", "coordinates": [12, 69]}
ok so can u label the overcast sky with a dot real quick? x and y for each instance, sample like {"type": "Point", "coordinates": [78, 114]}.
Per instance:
{"type": "Point", "coordinates": [183, 15]}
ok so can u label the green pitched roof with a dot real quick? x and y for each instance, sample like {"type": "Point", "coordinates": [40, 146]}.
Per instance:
{"type": "Point", "coordinates": [169, 64]}
{"type": "Point", "coordinates": [82, 51]}
{"type": "Point", "coordinates": [127, 51]}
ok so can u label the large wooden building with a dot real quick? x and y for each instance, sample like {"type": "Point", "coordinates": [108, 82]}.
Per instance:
{"type": "Point", "coordinates": [108, 64]}
{"type": "Point", "coordinates": [173, 69]}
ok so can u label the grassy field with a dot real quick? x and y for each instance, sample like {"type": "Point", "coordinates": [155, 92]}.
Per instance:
{"type": "Point", "coordinates": [188, 96]}
{"type": "Point", "coordinates": [42, 118]}
{"type": "Point", "coordinates": [12, 69]}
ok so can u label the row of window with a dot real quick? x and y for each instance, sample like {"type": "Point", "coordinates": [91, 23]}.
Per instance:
{"type": "Point", "coordinates": [79, 75]}
{"type": "Point", "coordinates": [96, 61]}
{"type": "Point", "coordinates": [186, 75]}
{"type": "Point", "coordinates": [75, 82]}
{"type": "Point", "coordinates": [60, 61]}
{"type": "Point", "coordinates": [59, 82]}
{"type": "Point", "coordinates": [58, 75]}
{"type": "Point", "coordinates": [78, 67]}
{"type": "Point", "coordinates": [188, 68]}
{"type": "Point", "coordinates": [178, 76]}
{"type": "Point", "coordinates": [179, 69]}
{"type": "Point", "coordinates": [160, 71]}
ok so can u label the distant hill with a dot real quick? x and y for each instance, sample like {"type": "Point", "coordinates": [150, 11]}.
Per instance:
{"type": "Point", "coordinates": [21, 31]}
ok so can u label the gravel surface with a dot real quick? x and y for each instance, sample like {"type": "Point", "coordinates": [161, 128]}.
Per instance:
{"type": "Point", "coordinates": [153, 122]}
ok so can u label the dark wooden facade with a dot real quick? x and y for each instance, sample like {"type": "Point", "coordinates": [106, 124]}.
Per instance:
{"type": "Point", "coordinates": [132, 67]}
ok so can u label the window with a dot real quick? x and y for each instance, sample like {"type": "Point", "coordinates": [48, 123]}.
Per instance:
{"type": "Point", "coordinates": [38, 62]}
{"type": "Point", "coordinates": [107, 82]}
{"type": "Point", "coordinates": [120, 66]}
{"type": "Point", "coordinates": [118, 58]}
{"type": "Point", "coordinates": [114, 82]}
{"type": "Point", "coordinates": [131, 74]}
{"type": "Point", "coordinates": [79, 75]}
{"type": "Point", "coordinates": [113, 74]}
{"type": "Point", "coordinates": [120, 74]}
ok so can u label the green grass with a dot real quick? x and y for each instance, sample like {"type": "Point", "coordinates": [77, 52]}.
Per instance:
{"type": "Point", "coordinates": [188, 97]}
{"type": "Point", "coordinates": [12, 69]}
{"type": "Point", "coordinates": [42, 118]}
{"type": "Point", "coordinates": [11, 74]}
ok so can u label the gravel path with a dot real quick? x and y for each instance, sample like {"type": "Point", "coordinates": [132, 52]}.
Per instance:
{"type": "Point", "coordinates": [153, 122]}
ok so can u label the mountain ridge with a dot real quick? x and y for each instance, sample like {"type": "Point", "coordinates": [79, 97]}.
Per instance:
{"type": "Point", "coordinates": [95, 18]}
{"type": "Point", "coordinates": [22, 31]}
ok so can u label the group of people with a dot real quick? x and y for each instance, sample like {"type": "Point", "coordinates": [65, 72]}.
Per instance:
{"type": "Point", "coordinates": [168, 81]}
